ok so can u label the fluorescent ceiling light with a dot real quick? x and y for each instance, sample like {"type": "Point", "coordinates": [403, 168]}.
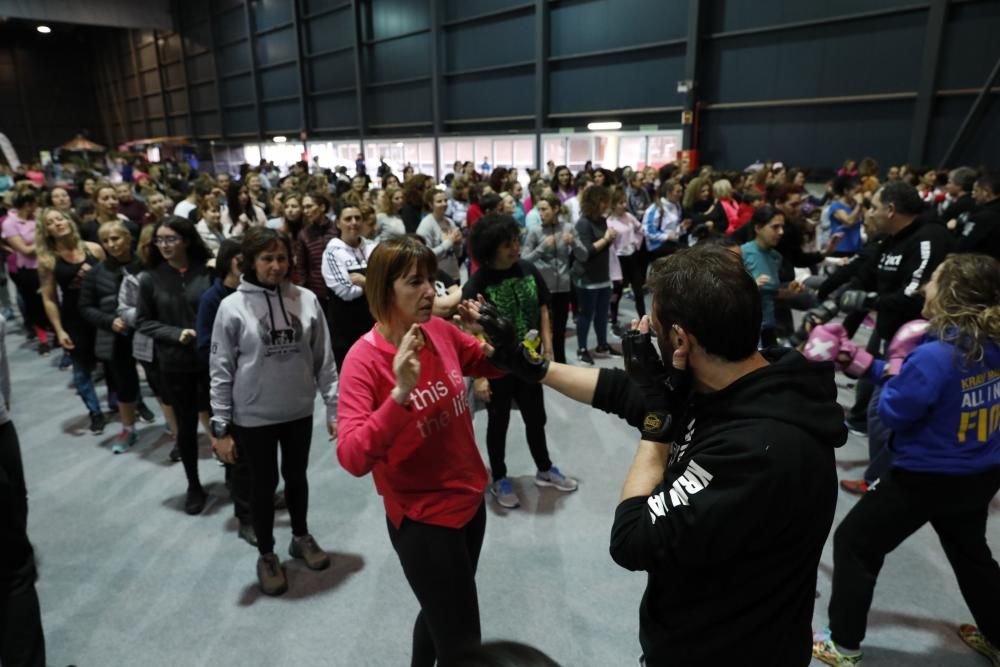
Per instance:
{"type": "Point", "coordinates": [44, 29]}
{"type": "Point", "coordinates": [605, 125]}
{"type": "Point", "coordinates": [280, 139]}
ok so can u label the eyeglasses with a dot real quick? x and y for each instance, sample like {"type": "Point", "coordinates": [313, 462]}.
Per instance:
{"type": "Point", "coordinates": [167, 240]}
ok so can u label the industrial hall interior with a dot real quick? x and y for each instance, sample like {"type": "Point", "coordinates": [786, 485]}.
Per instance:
{"type": "Point", "coordinates": [500, 333]}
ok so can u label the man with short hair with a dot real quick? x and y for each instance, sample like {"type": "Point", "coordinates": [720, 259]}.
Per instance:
{"type": "Point", "coordinates": [890, 284]}
{"type": "Point", "coordinates": [979, 229]}
{"type": "Point", "coordinates": [188, 207]}
{"type": "Point", "coordinates": [958, 199]}
{"type": "Point", "coordinates": [732, 490]}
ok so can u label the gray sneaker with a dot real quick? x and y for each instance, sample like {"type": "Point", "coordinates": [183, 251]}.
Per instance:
{"type": "Point", "coordinates": [504, 493]}
{"type": "Point", "coordinates": [553, 477]}
{"type": "Point", "coordinates": [305, 547]}
{"type": "Point", "coordinates": [270, 575]}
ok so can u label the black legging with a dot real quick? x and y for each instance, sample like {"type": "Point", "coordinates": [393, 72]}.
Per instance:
{"type": "Point", "coordinates": [22, 641]}
{"type": "Point", "coordinates": [956, 506]}
{"type": "Point", "coordinates": [188, 392]}
{"type": "Point", "coordinates": [559, 314]}
{"type": "Point", "coordinates": [259, 445]}
{"type": "Point", "coordinates": [121, 373]}
{"type": "Point", "coordinates": [530, 402]}
{"type": "Point", "coordinates": [27, 283]}
{"type": "Point", "coordinates": [440, 566]}
{"type": "Point", "coordinates": [633, 275]}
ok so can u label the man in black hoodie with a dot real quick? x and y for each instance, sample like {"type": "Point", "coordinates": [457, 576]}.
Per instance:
{"type": "Point", "coordinates": [729, 521]}
{"type": "Point", "coordinates": [979, 229]}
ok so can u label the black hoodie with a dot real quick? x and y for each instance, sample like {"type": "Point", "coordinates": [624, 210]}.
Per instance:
{"type": "Point", "coordinates": [732, 537]}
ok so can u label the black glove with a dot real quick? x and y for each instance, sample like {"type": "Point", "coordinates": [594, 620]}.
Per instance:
{"type": "Point", "coordinates": [664, 390]}
{"type": "Point", "coordinates": [857, 301]}
{"type": "Point", "coordinates": [813, 317]}
{"type": "Point", "coordinates": [510, 354]}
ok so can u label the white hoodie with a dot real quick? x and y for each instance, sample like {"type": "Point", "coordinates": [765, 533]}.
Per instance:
{"type": "Point", "coordinates": [270, 353]}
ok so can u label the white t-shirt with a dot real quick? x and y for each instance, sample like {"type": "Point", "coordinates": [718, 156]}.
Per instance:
{"type": "Point", "coordinates": [183, 208]}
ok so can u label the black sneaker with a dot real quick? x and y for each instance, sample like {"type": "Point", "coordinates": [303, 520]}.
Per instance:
{"type": "Point", "coordinates": [617, 329]}
{"type": "Point", "coordinates": [607, 351]}
{"type": "Point", "coordinates": [44, 349]}
{"type": "Point", "coordinates": [194, 503]}
{"type": "Point", "coordinates": [583, 356]}
{"type": "Point", "coordinates": [145, 414]}
{"type": "Point", "coordinates": [65, 362]}
{"type": "Point", "coordinates": [97, 423]}
{"type": "Point", "coordinates": [175, 454]}
{"type": "Point", "coordinates": [248, 534]}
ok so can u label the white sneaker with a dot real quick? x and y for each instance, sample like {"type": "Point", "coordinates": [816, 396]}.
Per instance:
{"type": "Point", "coordinates": [554, 478]}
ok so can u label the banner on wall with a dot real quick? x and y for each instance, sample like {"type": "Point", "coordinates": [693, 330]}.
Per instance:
{"type": "Point", "coordinates": [8, 151]}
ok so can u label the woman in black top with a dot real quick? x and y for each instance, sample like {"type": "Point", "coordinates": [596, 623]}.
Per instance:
{"type": "Point", "coordinates": [113, 346]}
{"type": "Point", "coordinates": [169, 292]}
{"type": "Point", "coordinates": [592, 272]}
{"type": "Point", "coordinates": [64, 259]}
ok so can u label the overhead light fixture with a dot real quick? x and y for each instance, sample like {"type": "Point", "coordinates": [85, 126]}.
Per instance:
{"type": "Point", "coordinates": [280, 139]}
{"type": "Point", "coordinates": [605, 125]}
{"type": "Point", "coordinates": [44, 29]}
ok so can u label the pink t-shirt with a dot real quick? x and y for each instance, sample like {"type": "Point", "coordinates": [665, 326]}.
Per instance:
{"type": "Point", "coordinates": [423, 456]}
{"type": "Point", "coordinates": [14, 226]}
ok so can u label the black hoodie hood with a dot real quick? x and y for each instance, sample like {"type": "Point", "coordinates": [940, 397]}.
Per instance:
{"type": "Point", "coordinates": [789, 389]}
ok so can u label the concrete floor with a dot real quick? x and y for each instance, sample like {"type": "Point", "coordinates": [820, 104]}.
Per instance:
{"type": "Point", "coordinates": [127, 578]}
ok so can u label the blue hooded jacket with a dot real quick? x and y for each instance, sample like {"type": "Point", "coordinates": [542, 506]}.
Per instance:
{"type": "Point", "coordinates": [944, 412]}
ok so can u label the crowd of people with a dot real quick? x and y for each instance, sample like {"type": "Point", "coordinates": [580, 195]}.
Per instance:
{"type": "Point", "coordinates": [239, 298]}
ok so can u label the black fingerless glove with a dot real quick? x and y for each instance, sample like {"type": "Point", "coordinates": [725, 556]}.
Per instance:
{"type": "Point", "coordinates": [664, 390]}
{"type": "Point", "coordinates": [510, 354]}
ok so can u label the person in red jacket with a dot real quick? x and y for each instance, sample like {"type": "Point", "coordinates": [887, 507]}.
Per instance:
{"type": "Point", "coordinates": [404, 417]}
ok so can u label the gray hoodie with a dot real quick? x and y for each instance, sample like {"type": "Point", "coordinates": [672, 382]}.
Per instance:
{"type": "Point", "coordinates": [270, 353]}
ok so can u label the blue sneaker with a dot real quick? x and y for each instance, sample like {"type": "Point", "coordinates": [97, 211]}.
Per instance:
{"type": "Point", "coordinates": [125, 441]}
{"type": "Point", "coordinates": [553, 477]}
{"type": "Point", "coordinates": [504, 493]}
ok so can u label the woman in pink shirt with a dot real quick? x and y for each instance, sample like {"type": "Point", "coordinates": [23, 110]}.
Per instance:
{"type": "Point", "coordinates": [18, 232]}
{"type": "Point", "coordinates": [627, 251]}
{"type": "Point", "coordinates": [404, 416]}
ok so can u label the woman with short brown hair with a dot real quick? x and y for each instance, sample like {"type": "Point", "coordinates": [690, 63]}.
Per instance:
{"type": "Point", "coordinates": [404, 417]}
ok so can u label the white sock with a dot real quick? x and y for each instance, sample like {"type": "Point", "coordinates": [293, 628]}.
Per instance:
{"type": "Point", "coordinates": [128, 429]}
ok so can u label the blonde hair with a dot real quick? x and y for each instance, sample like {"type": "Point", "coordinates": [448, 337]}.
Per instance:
{"type": "Point", "coordinates": [966, 308]}
{"type": "Point", "coordinates": [45, 245]}
{"type": "Point", "coordinates": [385, 201]}
{"type": "Point", "coordinates": [113, 226]}
{"type": "Point", "coordinates": [145, 240]}
{"type": "Point", "coordinates": [722, 188]}
{"type": "Point", "coordinates": [694, 187]}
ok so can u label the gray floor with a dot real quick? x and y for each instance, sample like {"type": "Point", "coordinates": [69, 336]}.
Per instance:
{"type": "Point", "coordinates": [127, 578]}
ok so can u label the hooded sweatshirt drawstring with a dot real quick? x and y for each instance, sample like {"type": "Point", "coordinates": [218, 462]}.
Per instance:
{"type": "Point", "coordinates": [270, 308]}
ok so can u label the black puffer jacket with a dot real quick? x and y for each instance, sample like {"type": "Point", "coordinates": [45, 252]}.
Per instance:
{"type": "Point", "coordinates": [168, 304]}
{"type": "Point", "coordinates": [99, 303]}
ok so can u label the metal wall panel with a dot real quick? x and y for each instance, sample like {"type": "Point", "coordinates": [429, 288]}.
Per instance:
{"type": "Point", "coordinates": [400, 59]}
{"type": "Point", "coordinates": [872, 57]}
{"type": "Point", "coordinates": [971, 45]}
{"type": "Point", "coordinates": [726, 15]}
{"type": "Point", "coordinates": [509, 39]}
{"type": "Point", "coordinates": [581, 27]}
{"type": "Point", "coordinates": [617, 82]}
{"type": "Point", "coordinates": [809, 137]}
{"type": "Point", "coordinates": [488, 96]}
